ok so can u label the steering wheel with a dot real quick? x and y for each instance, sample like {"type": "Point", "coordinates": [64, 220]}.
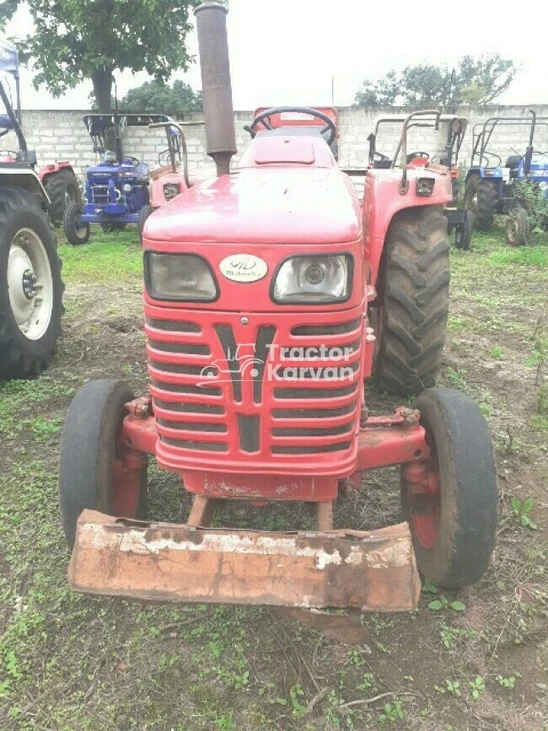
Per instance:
{"type": "Point", "coordinates": [132, 159]}
{"type": "Point", "coordinates": [264, 119]}
{"type": "Point", "coordinates": [15, 156]}
{"type": "Point", "coordinates": [413, 156]}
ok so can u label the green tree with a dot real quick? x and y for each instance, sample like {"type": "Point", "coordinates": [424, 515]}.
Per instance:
{"type": "Point", "coordinates": [155, 96]}
{"type": "Point", "coordinates": [473, 81]}
{"type": "Point", "coordinates": [77, 40]}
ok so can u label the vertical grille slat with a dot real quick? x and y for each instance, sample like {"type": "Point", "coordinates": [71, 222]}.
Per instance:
{"type": "Point", "coordinates": [265, 338]}
{"type": "Point", "coordinates": [249, 428]}
{"type": "Point", "coordinates": [225, 334]}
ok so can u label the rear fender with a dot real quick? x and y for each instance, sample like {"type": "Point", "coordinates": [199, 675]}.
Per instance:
{"type": "Point", "coordinates": [161, 177]}
{"type": "Point", "coordinates": [26, 179]}
{"type": "Point", "coordinates": [54, 167]}
{"type": "Point", "coordinates": [382, 201]}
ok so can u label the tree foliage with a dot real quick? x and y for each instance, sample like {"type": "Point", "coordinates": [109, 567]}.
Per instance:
{"type": "Point", "coordinates": [77, 40]}
{"type": "Point", "coordinates": [473, 81]}
{"type": "Point", "coordinates": [155, 96]}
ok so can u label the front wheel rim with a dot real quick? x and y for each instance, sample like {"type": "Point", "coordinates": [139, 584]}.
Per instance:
{"type": "Point", "coordinates": [126, 487]}
{"type": "Point", "coordinates": [424, 501]}
{"type": "Point", "coordinates": [425, 510]}
{"type": "Point", "coordinates": [30, 284]}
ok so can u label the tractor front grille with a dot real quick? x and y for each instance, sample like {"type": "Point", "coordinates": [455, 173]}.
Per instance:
{"type": "Point", "coordinates": [100, 194]}
{"type": "Point", "coordinates": [232, 395]}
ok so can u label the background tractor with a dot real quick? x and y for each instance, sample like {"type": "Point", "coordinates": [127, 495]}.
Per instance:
{"type": "Point", "coordinates": [121, 189]}
{"type": "Point", "coordinates": [491, 186]}
{"type": "Point", "coordinates": [58, 178]}
{"type": "Point", "coordinates": [447, 135]}
{"type": "Point", "coordinates": [258, 289]}
{"type": "Point", "coordinates": [30, 270]}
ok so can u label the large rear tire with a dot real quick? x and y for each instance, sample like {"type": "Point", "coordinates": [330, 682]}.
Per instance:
{"type": "Point", "coordinates": [453, 514]}
{"type": "Point", "coordinates": [62, 188]}
{"type": "Point", "coordinates": [88, 474]}
{"type": "Point", "coordinates": [414, 292]}
{"type": "Point", "coordinates": [480, 197]}
{"type": "Point", "coordinates": [31, 289]}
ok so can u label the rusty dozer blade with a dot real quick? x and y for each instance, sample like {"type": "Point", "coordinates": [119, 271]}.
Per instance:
{"type": "Point", "coordinates": [165, 562]}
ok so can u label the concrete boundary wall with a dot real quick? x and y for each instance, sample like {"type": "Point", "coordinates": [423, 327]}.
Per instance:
{"type": "Point", "coordinates": [62, 135]}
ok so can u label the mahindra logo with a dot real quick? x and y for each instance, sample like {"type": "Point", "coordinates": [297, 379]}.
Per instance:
{"type": "Point", "coordinates": [245, 263]}
{"type": "Point", "coordinates": [243, 268]}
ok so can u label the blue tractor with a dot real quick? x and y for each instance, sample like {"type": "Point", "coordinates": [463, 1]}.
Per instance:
{"type": "Point", "coordinates": [117, 187]}
{"type": "Point", "coordinates": [492, 187]}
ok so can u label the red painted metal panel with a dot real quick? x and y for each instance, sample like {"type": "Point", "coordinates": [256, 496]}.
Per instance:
{"type": "Point", "coordinates": [270, 205]}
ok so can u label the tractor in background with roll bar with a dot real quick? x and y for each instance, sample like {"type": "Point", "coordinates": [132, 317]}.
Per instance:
{"type": "Point", "coordinates": [121, 189]}
{"type": "Point", "coordinates": [491, 186]}
{"type": "Point", "coordinates": [58, 178]}
{"type": "Point", "coordinates": [31, 289]}
{"type": "Point", "coordinates": [172, 178]}
{"type": "Point", "coordinates": [258, 288]}
{"type": "Point", "coordinates": [459, 219]}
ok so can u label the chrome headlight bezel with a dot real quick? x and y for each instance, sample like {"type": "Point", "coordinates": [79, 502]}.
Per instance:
{"type": "Point", "coordinates": [309, 299]}
{"type": "Point", "coordinates": [172, 296]}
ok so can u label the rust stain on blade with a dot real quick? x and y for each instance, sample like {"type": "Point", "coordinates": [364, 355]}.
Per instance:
{"type": "Point", "coordinates": [177, 563]}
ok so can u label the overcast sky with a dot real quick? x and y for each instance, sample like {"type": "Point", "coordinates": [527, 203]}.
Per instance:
{"type": "Point", "coordinates": [287, 51]}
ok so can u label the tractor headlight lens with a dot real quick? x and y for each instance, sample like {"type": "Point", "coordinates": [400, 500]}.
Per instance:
{"type": "Point", "coordinates": [179, 277]}
{"type": "Point", "coordinates": [171, 190]}
{"type": "Point", "coordinates": [126, 187]}
{"type": "Point", "coordinates": [314, 280]}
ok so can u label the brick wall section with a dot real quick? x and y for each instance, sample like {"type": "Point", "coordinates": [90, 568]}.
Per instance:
{"type": "Point", "coordinates": [61, 135]}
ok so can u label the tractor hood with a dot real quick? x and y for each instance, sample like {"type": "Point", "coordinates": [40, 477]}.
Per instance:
{"type": "Point", "coordinates": [278, 205]}
{"type": "Point", "coordinates": [124, 169]}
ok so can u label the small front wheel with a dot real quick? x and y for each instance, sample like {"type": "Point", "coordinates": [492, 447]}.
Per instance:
{"type": "Point", "coordinates": [77, 233]}
{"type": "Point", "coordinates": [144, 213]}
{"type": "Point", "coordinates": [93, 473]}
{"type": "Point", "coordinates": [452, 508]}
{"type": "Point", "coordinates": [518, 228]}
{"type": "Point", "coordinates": [463, 231]}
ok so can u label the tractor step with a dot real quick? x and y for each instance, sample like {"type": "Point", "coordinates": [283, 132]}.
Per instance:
{"type": "Point", "coordinates": [165, 562]}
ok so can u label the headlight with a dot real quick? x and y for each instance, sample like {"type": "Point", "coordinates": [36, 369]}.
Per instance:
{"type": "Point", "coordinates": [314, 280]}
{"type": "Point", "coordinates": [126, 187]}
{"type": "Point", "coordinates": [179, 277]}
{"type": "Point", "coordinates": [171, 190]}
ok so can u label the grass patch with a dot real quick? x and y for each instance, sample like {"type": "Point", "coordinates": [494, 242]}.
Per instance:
{"type": "Point", "coordinates": [106, 259]}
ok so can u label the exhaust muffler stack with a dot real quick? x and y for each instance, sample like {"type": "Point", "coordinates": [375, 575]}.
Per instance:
{"type": "Point", "coordinates": [216, 84]}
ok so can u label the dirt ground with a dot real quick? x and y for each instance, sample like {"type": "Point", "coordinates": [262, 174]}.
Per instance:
{"type": "Point", "coordinates": [72, 662]}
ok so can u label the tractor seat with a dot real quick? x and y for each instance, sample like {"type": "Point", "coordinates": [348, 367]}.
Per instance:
{"type": "Point", "coordinates": [5, 121]}
{"type": "Point", "coordinates": [514, 161]}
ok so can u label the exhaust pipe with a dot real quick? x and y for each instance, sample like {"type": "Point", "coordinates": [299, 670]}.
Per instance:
{"type": "Point", "coordinates": [216, 86]}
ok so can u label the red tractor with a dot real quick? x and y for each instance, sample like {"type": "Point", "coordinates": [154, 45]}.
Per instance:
{"type": "Point", "coordinates": [258, 289]}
